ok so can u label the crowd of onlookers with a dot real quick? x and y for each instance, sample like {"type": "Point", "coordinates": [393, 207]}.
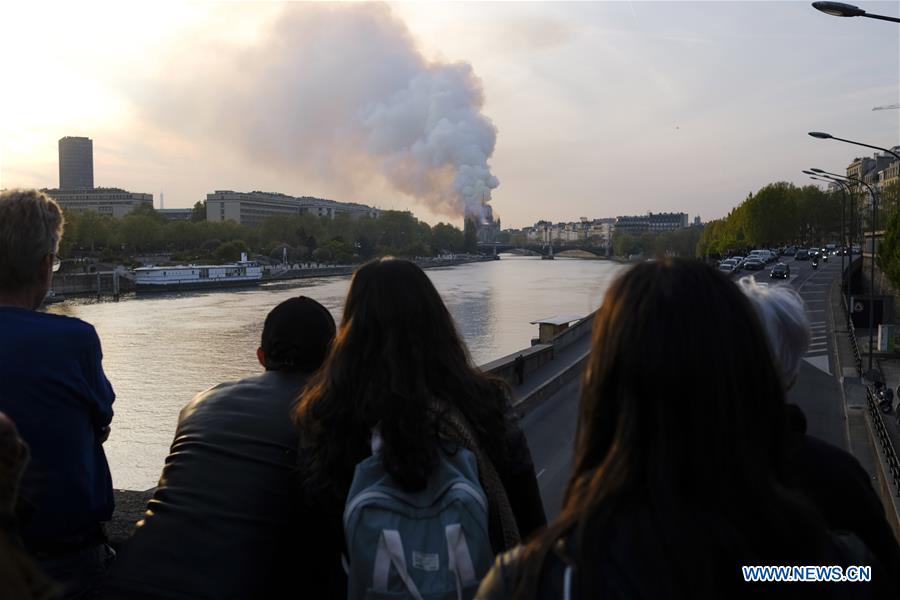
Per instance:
{"type": "Point", "coordinates": [370, 459]}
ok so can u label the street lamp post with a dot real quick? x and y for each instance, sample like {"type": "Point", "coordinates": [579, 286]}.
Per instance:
{"type": "Point", "coordinates": [827, 136]}
{"type": "Point", "coordinates": [839, 9]}
{"type": "Point", "coordinates": [844, 237]}
{"type": "Point", "coordinates": [872, 261]}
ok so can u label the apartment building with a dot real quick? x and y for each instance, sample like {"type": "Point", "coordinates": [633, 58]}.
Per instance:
{"type": "Point", "coordinates": [252, 208]}
{"type": "Point", "coordinates": [114, 202]}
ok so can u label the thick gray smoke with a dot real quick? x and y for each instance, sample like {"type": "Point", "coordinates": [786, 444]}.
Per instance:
{"type": "Point", "coordinates": [337, 91]}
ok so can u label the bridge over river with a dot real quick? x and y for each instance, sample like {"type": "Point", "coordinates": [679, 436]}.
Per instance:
{"type": "Point", "coordinates": [542, 249]}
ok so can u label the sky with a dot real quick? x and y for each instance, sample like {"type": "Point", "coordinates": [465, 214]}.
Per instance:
{"type": "Point", "coordinates": [551, 110]}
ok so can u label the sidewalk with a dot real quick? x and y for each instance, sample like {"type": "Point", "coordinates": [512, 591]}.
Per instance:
{"type": "Point", "coordinates": [863, 424]}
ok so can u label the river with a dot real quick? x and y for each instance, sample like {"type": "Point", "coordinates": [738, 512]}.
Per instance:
{"type": "Point", "coordinates": [159, 351]}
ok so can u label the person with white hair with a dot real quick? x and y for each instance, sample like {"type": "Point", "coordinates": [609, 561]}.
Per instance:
{"type": "Point", "coordinates": [52, 386]}
{"type": "Point", "coordinates": [783, 316]}
{"type": "Point", "coordinates": [832, 479]}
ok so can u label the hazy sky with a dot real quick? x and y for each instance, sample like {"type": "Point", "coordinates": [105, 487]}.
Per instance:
{"type": "Point", "coordinates": [598, 108]}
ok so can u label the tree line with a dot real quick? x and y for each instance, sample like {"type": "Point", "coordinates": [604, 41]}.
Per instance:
{"type": "Point", "coordinates": [782, 213]}
{"type": "Point", "coordinates": [680, 242]}
{"type": "Point", "coordinates": [888, 259]}
{"type": "Point", "coordinates": [300, 238]}
{"type": "Point", "coordinates": [778, 214]}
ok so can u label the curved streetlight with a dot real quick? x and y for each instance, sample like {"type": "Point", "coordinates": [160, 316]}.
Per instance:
{"type": "Point", "coordinates": [845, 189]}
{"type": "Point", "coordinates": [839, 9]}
{"type": "Point", "coordinates": [827, 136]}
{"type": "Point", "coordinates": [836, 177]}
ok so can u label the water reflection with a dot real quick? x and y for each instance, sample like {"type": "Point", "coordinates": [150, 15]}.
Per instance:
{"type": "Point", "coordinates": [159, 351]}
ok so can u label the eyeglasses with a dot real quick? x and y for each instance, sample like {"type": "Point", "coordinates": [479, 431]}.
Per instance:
{"type": "Point", "coordinates": [56, 263]}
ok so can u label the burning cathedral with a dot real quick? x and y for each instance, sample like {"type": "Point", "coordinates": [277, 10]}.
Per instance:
{"type": "Point", "coordinates": [486, 228]}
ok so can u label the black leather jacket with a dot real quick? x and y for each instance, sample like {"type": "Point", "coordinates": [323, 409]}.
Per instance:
{"type": "Point", "coordinates": [627, 574]}
{"type": "Point", "coordinates": [226, 520]}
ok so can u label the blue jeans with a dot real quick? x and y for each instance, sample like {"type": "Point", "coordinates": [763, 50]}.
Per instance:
{"type": "Point", "coordinates": [80, 573]}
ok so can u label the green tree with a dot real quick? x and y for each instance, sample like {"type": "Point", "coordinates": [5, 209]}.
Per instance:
{"type": "Point", "coordinates": [198, 213]}
{"type": "Point", "coordinates": [681, 242]}
{"type": "Point", "coordinates": [146, 209]}
{"type": "Point", "coordinates": [447, 238]}
{"type": "Point", "coordinates": [89, 230]}
{"type": "Point", "coordinates": [231, 251]}
{"type": "Point", "coordinates": [889, 200]}
{"type": "Point", "coordinates": [140, 233]}
{"type": "Point", "coordinates": [626, 245]}
{"type": "Point", "coordinates": [768, 215]}
{"type": "Point", "coordinates": [338, 250]}
{"type": "Point", "coordinates": [889, 250]}
{"type": "Point", "coordinates": [180, 236]}
{"type": "Point", "coordinates": [399, 232]}
{"type": "Point", "coordinates": [470, 236]}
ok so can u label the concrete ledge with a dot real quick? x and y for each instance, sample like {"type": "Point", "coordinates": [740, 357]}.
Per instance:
{"type": "Point", "coordinates": [535, 357]}
{"type": "Point", "coordinates": [526, 404]}
{"type": "Point", "coordinates": [130, 507]}
{"type": "Point", "coordinates": [573, 333]}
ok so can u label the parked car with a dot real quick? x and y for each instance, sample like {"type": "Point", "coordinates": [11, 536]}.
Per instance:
{"type": "Point", "coordinates": [780, 271]}
{"type": "Point", "coordinates": [733, 265]}
{"type": "Point", "coordinates": [754, 264]}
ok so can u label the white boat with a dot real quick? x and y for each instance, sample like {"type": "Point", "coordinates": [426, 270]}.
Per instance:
{"type": "Point", "coordinates": [243, 273]}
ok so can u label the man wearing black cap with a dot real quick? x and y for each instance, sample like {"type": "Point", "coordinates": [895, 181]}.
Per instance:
{"type": "Point", "coordinates": [227, 519]}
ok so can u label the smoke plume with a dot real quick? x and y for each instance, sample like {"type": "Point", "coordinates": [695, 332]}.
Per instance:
{"type": "Point", "coordinates": [336, 91]}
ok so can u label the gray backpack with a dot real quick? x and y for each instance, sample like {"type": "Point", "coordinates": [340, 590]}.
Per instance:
{"type": "Point", "coordinates": [427, 545]}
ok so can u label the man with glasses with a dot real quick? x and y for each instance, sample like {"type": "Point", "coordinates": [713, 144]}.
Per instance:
{"type": "Point", "coordinates": [52, 386]}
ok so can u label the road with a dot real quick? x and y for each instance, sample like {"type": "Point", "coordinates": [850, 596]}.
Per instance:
{"type": "Point", "coordinates": [818, 391]}
{"type": "Point", "coordinates": [550, 428]}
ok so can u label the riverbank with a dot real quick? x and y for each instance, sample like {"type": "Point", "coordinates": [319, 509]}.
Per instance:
{"type": "Point", "coordinates": [336, 271]}
{"type": "Point", "coordinates": [118, 282]}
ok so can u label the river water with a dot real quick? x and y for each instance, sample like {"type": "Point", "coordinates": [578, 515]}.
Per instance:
{"type": "Point", "coordinates": [160, 351]}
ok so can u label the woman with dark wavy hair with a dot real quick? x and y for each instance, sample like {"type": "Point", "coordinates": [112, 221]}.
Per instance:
{"type": "Point", "coordinates": [398, 362]}
{"type": "Point", "coordinates": [679, 457]}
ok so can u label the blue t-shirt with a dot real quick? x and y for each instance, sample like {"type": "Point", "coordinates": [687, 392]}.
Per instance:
{"type": "Point", "coordinates": [53, 387]}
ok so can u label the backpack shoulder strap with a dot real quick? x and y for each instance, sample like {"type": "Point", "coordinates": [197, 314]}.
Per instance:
{"type": "Point", "coordinates": [456, 428]}
{"type": "Point", "coordinates": [390, 552]}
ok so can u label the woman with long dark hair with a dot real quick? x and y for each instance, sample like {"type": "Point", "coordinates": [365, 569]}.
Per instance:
{"type": "Point", "coordinates": [398, 364]}
{"type": "Point", "coordinates": [679, 455]}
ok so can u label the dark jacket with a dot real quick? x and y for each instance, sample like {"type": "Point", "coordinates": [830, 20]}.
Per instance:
{"type": "Point", "coordinates": [226, 520]}
{"type": "Point", "coordinates": [52, 386]}
{"type": "Point", "coordinates": [842, 491]}
{"type": "Point", "coordinates": [519, 480]}
{"type": "Point", "coordinates": [627, 572]}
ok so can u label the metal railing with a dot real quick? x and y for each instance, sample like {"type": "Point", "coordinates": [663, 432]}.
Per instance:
{"type": "Point", "coordinates": [885, 443]}
{"type": "Point", "coordinates": [851, 330]}
{"type": "Point", "coordinates": [888, 452]}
